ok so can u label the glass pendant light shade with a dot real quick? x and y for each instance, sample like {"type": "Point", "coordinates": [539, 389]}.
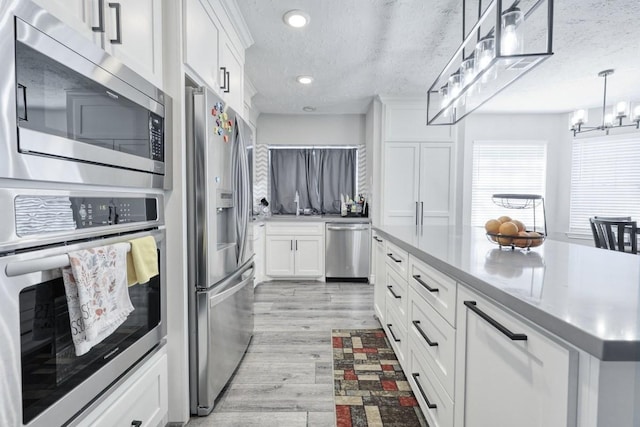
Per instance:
{"type": "Point", "coordinates": [512, 26]}
{"type": "Point", "coordinates": [444, 93]}
{"type": "Point", "coordinates": [455, 84]}
{"type": "Point", "coordinates": [608, 120]}
{"type": "Point", "coordinates": [579, 117]}
{"type": "Point", "coordinates": [485, 52]}
{"type": "Point", "coordinates": [635, 113]}
{"type": "Point", "coordinates": [621, 109]}
{"type": "Point", "coordinates": [467, 69]}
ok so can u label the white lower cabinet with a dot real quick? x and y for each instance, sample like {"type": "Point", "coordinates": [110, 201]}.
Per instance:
{"type": "Point", "coordinates": [436, 405]}
{"type": "Point", "coordinates": [508, 372]}
{"type": "Point", "coordinates": [294, 250]}
{"type": "Point", "coordinates": [141, 398]}
{"type": "Point", "coordinates": [396, 330]}
{"type": "Point", "coordinates": [258, 249]}
{"type": "Point", "coordinates": [380, 282]}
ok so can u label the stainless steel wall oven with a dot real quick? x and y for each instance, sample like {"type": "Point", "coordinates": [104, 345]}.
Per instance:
{"type": "Point", "coordinates": [43, 382]}
{"type": "Point", "coordinates": [81, 116]}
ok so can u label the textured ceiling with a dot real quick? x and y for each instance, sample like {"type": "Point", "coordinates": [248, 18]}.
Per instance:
{"type": "Point", "coordinates": [356, 49]}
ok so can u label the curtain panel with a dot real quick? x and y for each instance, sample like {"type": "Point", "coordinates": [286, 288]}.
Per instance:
{"type": "Point", "coordinates": [319, 175]}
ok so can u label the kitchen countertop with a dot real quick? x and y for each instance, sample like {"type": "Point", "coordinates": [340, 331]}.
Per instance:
{"type": "Point", "coordinates": [313, 218]}
{"type": "Point", "coordinates": [587, 296]}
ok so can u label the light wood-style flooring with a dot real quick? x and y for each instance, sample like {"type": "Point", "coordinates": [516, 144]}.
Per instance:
{"type": "Point", "coordinates": [285, 378]}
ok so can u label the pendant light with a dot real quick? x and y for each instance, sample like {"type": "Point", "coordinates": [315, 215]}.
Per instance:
{"type": "Point", "coordinates": [496, 51]}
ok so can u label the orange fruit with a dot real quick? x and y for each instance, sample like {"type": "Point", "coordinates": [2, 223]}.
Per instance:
{"type": "Point", "coordinates": [492, 226]}
{"type": "Point", "coordinates": [519, 224]}
{"type": "Point", "coordinates": [504, 219]}
{"type": "Point", "coordinates": [535, 241]}
{"type": "Point", "coordinates": [522, 241]}
{"type": "Point", "coordinates": [508, 229]}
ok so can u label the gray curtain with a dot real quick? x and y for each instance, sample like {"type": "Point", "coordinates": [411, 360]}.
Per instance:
{"type": "Point", "coordinates": [318, 175]}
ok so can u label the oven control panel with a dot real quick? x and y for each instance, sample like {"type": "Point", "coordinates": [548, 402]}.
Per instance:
{"type": "Point", "coordinates": [100, 211]}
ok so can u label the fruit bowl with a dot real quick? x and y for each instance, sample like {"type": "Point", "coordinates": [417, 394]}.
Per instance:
{"type": "Point", "coordinates": [519, 241]}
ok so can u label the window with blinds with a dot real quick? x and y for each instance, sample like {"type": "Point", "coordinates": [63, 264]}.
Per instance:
{"type": "Point", "coordinates": [605, 179]}
{"type": "Point", "coordinates": [506, 167]}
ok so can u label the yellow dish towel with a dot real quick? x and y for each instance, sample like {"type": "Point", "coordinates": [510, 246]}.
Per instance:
{"type": "Point", "coordinates": [142, 260]}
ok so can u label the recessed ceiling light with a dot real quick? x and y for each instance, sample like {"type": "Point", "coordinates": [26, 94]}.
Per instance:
{"type": "Point", "coordinates": [296, 18]}
{"type": "Point", "coordinates": [309, 109]}
{"type": "Point", "coordinates": [304, 80]}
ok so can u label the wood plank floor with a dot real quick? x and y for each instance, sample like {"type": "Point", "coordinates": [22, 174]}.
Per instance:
{"type": "Point", "coordinates": [285, 378]}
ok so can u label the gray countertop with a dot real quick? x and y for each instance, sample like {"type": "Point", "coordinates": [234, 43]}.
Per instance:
{"type": "Point", "coordinates": [587, 296]}
{"type": "Point", "coordinates": [312, 218]}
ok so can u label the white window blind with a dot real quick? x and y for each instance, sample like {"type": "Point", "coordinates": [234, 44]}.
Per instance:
{"type": "Point", "coordinates": [605, 179]}
{"type": "Point", "coordinates": [507, 167]}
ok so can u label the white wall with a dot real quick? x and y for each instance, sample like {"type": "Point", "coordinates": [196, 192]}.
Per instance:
{"type": "Point", "coordinates": [312, 129]}
{"type": "Point", "coordinates": [551, 128]}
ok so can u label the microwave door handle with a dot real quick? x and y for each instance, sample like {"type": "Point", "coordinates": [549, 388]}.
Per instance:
{"type": "Point", "coordinates": [100, 27]}
{"type": "Point", "coordinates": [118, 39]}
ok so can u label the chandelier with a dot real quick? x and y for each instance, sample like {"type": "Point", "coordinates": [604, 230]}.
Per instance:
{"type": "Point", "coordinates": [506, 40]}
{"type": "Point", "coordinates": [613, 119]}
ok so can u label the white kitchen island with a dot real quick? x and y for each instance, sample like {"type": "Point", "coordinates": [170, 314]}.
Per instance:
{"type": "Point", "coordinates": [490, 336]}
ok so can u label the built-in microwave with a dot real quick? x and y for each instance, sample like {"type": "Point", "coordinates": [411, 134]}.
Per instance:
{"type": "Point", "coordinates": [76, 114]}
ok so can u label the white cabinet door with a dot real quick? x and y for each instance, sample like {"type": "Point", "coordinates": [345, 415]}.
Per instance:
{"type": "Point", "coordinates": [231, 75]}
{"type": "Point", "coordinates": [81, 15]}
{"type": "Point", "coordinates": [380, 284]}
{"type": "Point", "coordinates": [201, 41]}
{"type": "Point", "coordinates": [401, 175]}
{"type": "Point", "coordinates": [258, 248]}
{"type": "Point", "coordinates": [309, 256]}
{"type": "Point", "coordinates": [279, 256]}
{"type": "Point", "coordinates": [436, 183]}
{"type": "Point", "coordinates": [133, 34]}
{"type": "Point", "coordinates": [502, 381]}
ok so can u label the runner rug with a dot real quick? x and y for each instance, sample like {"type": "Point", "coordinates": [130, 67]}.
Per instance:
{"type": "Point", "coordinates": [370, 389]}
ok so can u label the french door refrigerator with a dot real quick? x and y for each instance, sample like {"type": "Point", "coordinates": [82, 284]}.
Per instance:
{"type": "Point", "coordinates": [220, 254]}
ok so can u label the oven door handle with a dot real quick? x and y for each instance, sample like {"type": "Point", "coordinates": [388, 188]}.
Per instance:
{"type": "Point", "coordinates": [19, 268]}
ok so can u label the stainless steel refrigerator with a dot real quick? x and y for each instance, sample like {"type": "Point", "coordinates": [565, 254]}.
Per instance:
{"type": "Point", "coordinates": [220, 254]}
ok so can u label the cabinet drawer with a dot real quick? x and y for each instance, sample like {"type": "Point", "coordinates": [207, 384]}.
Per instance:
{"type": "Point", "coordinates": [295, 228]}
{"type": "Point", "coordinates": [397, 259]}
{"type": "Point", "coordinates": [397, 296]}
{"type": "Point", "coordinates": [396, 334]}
{"type": "Point", "coordinates": [144, 397]}
{"type": "Point", "coordinates": [436, 405]}
{"type": "Point", "coordinates": [437, 288]}
{"type": "Point", "coordinates": [434, 338]}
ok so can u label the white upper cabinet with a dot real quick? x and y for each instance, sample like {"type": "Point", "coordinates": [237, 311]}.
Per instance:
{"type": "Point", "coordinates": [130, 30]}
{"type": "Point", "coordinates": [202, 40]}
{"type": "Point", "coordinates": [215, 38]}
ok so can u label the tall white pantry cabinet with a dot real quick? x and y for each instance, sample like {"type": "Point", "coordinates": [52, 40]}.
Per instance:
{"type": "Point", "coordinates": [418, 167]}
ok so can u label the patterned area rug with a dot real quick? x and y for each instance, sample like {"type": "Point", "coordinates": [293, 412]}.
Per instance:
{"type": "Point", "coordinates": [370, 388]}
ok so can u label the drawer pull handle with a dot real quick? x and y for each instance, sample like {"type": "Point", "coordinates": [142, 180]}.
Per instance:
{"type": "Point", "coordinates": [395, 259]}
{"type": "Point", "coordinates": [100, 27]}
{"type": "Point", "coordinates": [423, 283]}
{"type": "Point", "coordinates": [416, 323]}
{"type": "Point", "coordinates": [377, 239]}
{"type": "Point", "coordinates": [136, 423]}
{"type": "Point", "coordinates": [389, 325]}
{"type": "Point", "coordinates": [424, 396]}
{"type": "Point", "coordinates": [393, 293]}
{"type": "Point", "coordinates": [471, 305]}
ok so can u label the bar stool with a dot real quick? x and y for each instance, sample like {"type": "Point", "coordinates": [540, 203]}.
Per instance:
{"type": "Point", "coordinates": [616, 234]}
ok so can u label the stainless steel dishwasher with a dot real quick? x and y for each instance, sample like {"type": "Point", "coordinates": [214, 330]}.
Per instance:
{"type": "Point", "coordinates": [347, 251]}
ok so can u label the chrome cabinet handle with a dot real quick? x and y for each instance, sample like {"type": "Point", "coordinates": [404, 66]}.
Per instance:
{"type": "Point", "coordinates": [118, 39]}
{"type": "Point", "coordinates": [393, 293]}
{"type": "Point", "coordinates": [100, 27]}
{"type": "Point", "coordinates": [225, 79]}
{"type": "Point", "coordinates": [421, 213]}
{"type": "Point", "coordinates": [424, 396]}
{"type": "Point", "coordinates": [416, 323]}
{"type": "Point", "coordinates": [390, 255]}
{"type": "Point", "coordinates": [427, 287]}
{"type": "Point", "coordinates": [416, 213]}
{"type": "Point", "coordinates": [296, 245]}
{"type": "Point", "coordinates": [472, 305]}
{"type": "Point", "coordinates": [291, 241]}
{"type": "Point", "coordinates": [389, 325]}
